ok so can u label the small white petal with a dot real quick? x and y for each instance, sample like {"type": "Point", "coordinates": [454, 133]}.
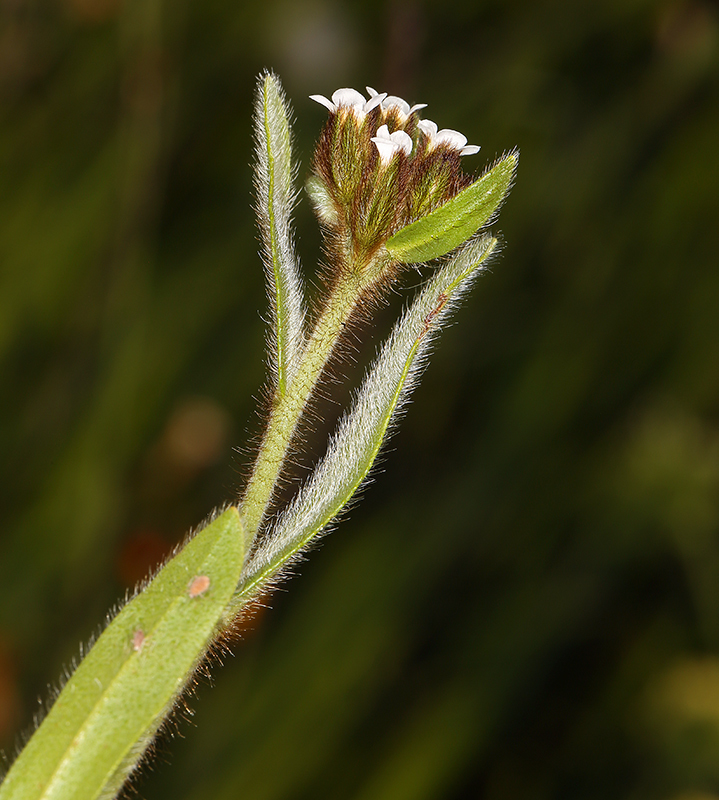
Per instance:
{"type": "Point", "coordinates": [374, 101]}
{"type": "Point", "coordinates": [323, 101]}
{"type": "Point", "coordinates": [373, 92]}
{"type": "Point", "coordinates": [348, 97]}
{"type": "Point", "coordinates": [452, 138]}
{"type": "Point", "coordinates": [390, 143]}
{"type": "Point", "coordinates": [446, 136]}
{"type": "Point", "coordinates": [402, 106]}
{"type": "Point", "coordinates": [397, 102]}
{"type": "Point", "coordinates": [428, 128]}
{"type": "Point", "coordinates": [402, 140]}
{"type": "Point", "coordinates": [385, 149]}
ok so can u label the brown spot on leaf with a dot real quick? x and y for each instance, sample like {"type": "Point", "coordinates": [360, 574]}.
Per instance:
{"type": "Point", "coordinates": [198, 585]}
{"type": "Point", "coordinates": [138, 639]}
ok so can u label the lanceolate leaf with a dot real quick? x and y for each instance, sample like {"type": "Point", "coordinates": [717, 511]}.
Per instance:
{"type": "Point", "coordinates": [275, 200]}
{"type": "Point", "coordinates": [110, 709]}
{"type": "Point", "coordinates": [456, 220]}
{"type": "Point", "coordinates": [359, 437]}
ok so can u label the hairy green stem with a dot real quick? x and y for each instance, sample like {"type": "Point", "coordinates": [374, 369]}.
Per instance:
{"type": "Point", "coordinates": [287, 408]}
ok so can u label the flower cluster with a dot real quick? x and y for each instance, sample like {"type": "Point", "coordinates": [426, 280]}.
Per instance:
{"type": "Point", "coordinates": [398, 111]}
{"type": "Point", "coordinates": [378, 167]}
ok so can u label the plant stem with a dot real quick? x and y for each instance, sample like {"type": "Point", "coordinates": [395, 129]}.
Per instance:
{"type": "Point", "coordinates": [287, 407]}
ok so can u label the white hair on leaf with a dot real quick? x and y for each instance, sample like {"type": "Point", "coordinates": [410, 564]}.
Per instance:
{"type": "Point", "coordinates": [276, 198]}
{"type": "Point", "coordinates": [361, 432]}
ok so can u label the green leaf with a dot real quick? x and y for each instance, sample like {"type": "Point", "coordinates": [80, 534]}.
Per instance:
{"type": "Point", "coordinates": [360, 434]}
{"type": "Point", "coordinates": [458, 219]}
{"type": "Point", "coordinates": [275, 201]}
{"type": "Point", "coordinates": [110, 709]}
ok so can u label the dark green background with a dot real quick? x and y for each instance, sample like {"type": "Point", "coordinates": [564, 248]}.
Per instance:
{"type": "Point", "coordinates": [526, 603]}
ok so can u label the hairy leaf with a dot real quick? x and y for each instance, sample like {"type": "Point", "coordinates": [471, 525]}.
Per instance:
{"type": "Point", "coordinates": [275, 201]}
{"type": "Point", "coordinates": [110, 709]}
{"type": "Point", "coordinates": [458, 219]}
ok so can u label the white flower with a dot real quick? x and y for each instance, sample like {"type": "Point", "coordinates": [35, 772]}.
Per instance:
{"type": "Point", "coordinates": [350, 98]}
{"type": "Point", "coordinates": [446, 136]}
{"type": "Point", "coordinates": [390, 143]}
{"type": "Point", "coordinates": [402, 106]}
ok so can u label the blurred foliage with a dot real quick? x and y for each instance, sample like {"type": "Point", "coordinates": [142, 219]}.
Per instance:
{"type": "Point", "coordinates": [541, 616]}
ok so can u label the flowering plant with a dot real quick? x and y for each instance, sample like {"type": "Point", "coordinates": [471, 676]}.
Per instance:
{"type": "Point", "coordinates": [389, 191]}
